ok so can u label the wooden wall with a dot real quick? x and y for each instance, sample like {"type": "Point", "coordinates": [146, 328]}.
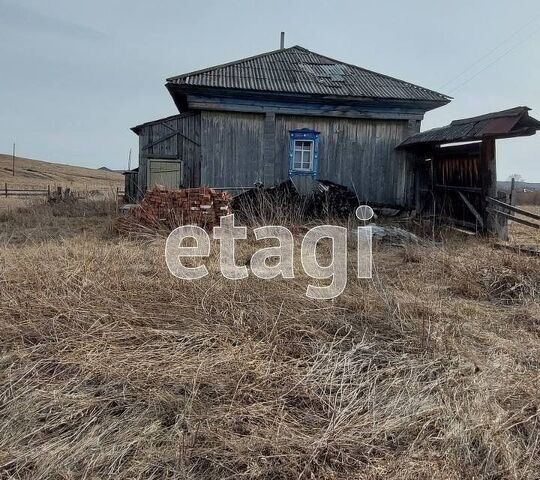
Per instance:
{"type": "Point", "coordinates": [131, 185]}
{"type": "Point", "coordinates": [232, 148]}
{"type": "Point", "coordinates": [175, 138]}
{"type": "Point", "coordinates": [238, 149]}
{"type": "Point", "coordinates": [358, 153]}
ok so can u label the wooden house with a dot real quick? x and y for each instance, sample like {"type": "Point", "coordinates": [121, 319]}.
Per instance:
{"type": "Point", "coordinates": [287, 114]}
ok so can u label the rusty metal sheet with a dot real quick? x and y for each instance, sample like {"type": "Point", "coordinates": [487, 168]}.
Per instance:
{"type": "Point", "coordinates": [506, 123]}
{"type": "Point", "coordinates": [499, 125]}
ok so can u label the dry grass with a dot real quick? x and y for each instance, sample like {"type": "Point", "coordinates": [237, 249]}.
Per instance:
{"type": "Point", "coordinates": [11, 204]}
{"type": "Point", "coordinates": [528, 198]}
{"type": "Point", "coordinates": [111, 368]}
{"type": "Point", "coordinates": [37, 174]}
{"type": "Point", "coordinates": [522, 234]}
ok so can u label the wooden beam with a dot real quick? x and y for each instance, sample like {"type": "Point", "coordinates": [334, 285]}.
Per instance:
{"type": "Point", "coordinates": [269, 148]}
{"type": "Point", "coordinates": [488, 178]}
{"type": "Point", "coordinates": [513, 218]}
{"type": "Point", "coordinates": [507, 206]}
{"type": "Point", "coordinates": [170, 135]}
{"type": "Point", "coordinates": [164, 156]}
{"type": "Point", "coordinates": [454, 221]}
{"type": "Point", "coordinates": [312, 109]}
{"type": "Point", "coordinates": [159, 140]}
{"type": "Point", "coordinates": [459, 188]}
{"type": "Point", "coordinates": [471, 208]}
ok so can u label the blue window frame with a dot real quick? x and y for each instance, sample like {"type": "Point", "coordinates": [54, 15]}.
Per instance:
{"type": "Point", "coordinates": [303, 152]}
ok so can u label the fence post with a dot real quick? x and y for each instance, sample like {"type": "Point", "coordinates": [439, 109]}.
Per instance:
{"type": "Point", "coordinates": [5, 188]}
{"type": "Point", "coordinates": [48, 192]}
{"type": "Point", "coordinates": [512, 188]}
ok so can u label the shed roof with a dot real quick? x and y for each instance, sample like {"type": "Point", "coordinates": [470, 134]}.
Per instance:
{"type": "Point", "coordinates": [514, 122]}
{"type": "Point", "coordinates": [296, 70]}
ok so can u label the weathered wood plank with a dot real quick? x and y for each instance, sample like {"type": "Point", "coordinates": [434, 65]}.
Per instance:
{"type": "Point", "coordinates": [311, 109]}
{"type": "Point", "coordinates": [488, 178]}
{"type": "Point", "coordinates": [232, 148]}
{"type": "Point", "coordinates": [471, 208]}
{"type": "Point", "coordinates": [172, 138]}
{"type": "Point", "coordinates": [513, 218]}
{"type": "Point", "coordinates": [269, 146]}
{"type": "Point", "coordinates": [357, 153]}
{"type": "Point", "coordinates": [459, 188]}
{"type": "Point", "coordinates": [511, 208]}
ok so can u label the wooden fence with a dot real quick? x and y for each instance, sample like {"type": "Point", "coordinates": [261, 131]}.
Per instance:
{"type": "Point", "coordinates": [18, 191]}
{"type": "Point", "coordinates": [503, 212]}
{"type": "Point", "coordinates": [509, 212]}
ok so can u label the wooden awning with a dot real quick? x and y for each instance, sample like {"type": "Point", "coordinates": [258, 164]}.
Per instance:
{"type": "Point", "coordinates": [514, 122]}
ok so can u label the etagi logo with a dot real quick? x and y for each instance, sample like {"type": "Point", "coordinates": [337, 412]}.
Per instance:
{"type": "Point", "coordinates": [282, 256]}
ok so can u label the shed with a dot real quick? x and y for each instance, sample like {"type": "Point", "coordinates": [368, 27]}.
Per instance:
{"type": "Point", "coordinates": [456, 168]}
{"type": "Point", "coordinates": [131, 185]}
{"type": "Point", "coordinates": [287, 114]}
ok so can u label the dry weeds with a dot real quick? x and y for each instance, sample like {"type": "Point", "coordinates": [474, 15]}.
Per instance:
{"type": "Point", "coordinates": [524, 235]}
{"type": "Point", "coordinates": [111, 368]}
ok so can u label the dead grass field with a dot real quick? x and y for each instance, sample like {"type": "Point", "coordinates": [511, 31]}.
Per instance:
{"type": "Point", "coordinates": [522, 234]}
{"type": "Point", "coordinates": [112, 368]}
{"type": "Point", "coordinates": [38, 174]}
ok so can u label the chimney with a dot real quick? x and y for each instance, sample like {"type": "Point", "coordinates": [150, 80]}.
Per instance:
{"type": "Point", "coordinates": [282, 41]}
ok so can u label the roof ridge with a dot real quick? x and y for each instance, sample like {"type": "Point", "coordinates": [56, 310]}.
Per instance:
{"type": "Point", "coordinates": [235, 62]}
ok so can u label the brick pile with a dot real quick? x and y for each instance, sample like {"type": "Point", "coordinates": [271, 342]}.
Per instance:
{"type": "Point", "coordinates": [165, 208]}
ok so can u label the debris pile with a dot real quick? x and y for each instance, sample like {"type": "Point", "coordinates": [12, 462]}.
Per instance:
{"type": "Point", "coordinates": [334, 199]}
{"type": "Point", "coordinates": [284, 202]}
{"type": "Point", "coordinates": [394, 235]}
{"type": "Point", "coordinates": [165, 209]}
{"type": "Point", "coordinates": [61, 195]}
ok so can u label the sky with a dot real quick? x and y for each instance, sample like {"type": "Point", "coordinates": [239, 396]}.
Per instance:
{"type": "Point", "coordinates": [75, 76]}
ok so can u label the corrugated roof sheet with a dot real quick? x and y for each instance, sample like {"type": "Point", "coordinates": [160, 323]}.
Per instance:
{"type": "Point", "coordinates": [299, 71]}
{"type": "Point", "coordinates": [506, 123]}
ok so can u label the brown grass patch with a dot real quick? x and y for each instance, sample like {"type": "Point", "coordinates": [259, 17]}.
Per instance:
{"type": "Point", "coordinates": [111, 367]}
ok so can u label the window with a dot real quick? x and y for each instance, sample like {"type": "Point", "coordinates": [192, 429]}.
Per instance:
{"type": "Point", "coordinates": [303, 152]}
{"type": "Point", "coordinates": [303, 155]}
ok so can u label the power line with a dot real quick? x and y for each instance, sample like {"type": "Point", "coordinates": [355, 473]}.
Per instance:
{"type": "Point", "coordinates": [490, 52]}
{"type": "Point", "coordinates": [534, 32]}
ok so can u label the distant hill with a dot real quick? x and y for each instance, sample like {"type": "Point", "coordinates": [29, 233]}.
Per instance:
{"type": "Point", "coordinates": [37, 173]}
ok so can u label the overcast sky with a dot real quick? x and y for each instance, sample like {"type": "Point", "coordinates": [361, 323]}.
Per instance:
{"type": "Point", "coordinates": [74, 75]}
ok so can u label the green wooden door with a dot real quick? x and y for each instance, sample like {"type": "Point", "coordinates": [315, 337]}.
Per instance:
{"type": "Point", "coordinates": [167, 173]}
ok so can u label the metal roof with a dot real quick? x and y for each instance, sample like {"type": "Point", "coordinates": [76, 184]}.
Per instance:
{"type": "Point", "coordinates": [297, 70]}
{"type": "Point", "coordinates": [514, 122]}
{"type": "Point", "coordinates": [137, 128]}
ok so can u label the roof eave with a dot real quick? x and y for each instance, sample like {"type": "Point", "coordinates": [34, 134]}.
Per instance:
{"type": "Point", "coordinates": [179, 93]}
{"type": "Point", "coordinates": [516, 122]}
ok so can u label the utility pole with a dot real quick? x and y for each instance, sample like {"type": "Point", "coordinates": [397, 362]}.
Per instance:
{"type": "Point", "coordinates": [13, 157]}
{"type": "Point", "coordinates": [129, 160]}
